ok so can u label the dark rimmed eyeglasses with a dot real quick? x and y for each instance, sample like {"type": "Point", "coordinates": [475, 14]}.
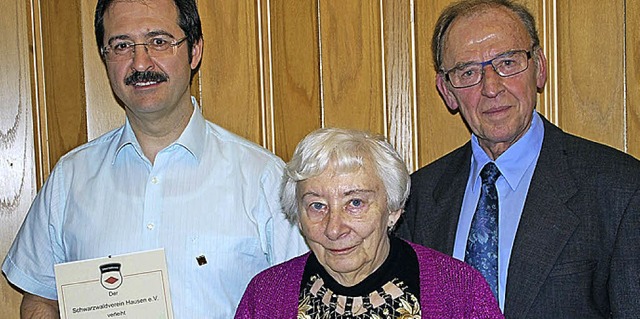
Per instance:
{"type": "Point", "coordinates": [506, 64]}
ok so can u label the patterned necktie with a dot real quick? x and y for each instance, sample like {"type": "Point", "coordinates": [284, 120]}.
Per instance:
{"type": "Point", "coordinates": [482, 246]}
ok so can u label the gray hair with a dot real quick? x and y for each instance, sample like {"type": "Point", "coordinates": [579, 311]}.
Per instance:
{"type": "Point", "coordinates": [468, 7]}
{"type": "Point", "coordinates": [347, 150]}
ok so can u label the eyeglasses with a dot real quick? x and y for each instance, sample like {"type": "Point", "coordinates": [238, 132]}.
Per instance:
{"type": "Point", "coordinates": [506, 64]}
{"type": "Point", "coordinates": [156, 47]}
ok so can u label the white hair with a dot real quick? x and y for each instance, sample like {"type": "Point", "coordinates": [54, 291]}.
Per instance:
{"type": "Point", "coordinates": [347, 150]}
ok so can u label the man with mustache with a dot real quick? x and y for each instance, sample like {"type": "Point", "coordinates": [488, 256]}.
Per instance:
{"type": "Point", "coordinates": [551, 220]}
{"type": "Point", "coordinates": [166, 179]}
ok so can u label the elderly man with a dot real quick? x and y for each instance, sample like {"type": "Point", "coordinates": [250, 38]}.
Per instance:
{"type": "Point", "coordinates": [551, 220]}
{"type": "Point", "coordinates": [166, 179]}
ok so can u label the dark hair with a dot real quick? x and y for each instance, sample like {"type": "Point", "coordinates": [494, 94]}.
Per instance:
{"type": "Point", "coordinates": [188, 20]}
{"type": "Point", "coordinates": [467, 7]}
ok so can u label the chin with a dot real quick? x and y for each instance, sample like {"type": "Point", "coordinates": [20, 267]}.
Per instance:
{"type": "Point", "coordinates": [342, 268]}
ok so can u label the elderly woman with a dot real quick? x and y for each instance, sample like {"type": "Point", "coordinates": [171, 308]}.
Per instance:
{"type": "Point", "coordinates": [346, 190]}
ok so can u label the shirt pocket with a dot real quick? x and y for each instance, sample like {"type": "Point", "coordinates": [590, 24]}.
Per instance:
{"type": "Point", "coordinates": [230, 258]}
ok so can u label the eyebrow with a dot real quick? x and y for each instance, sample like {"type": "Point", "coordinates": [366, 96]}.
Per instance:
{"type": "Point", "coordinates": [463, 64]}
{"type": "Point", "coordinates": [359, 191]}
{"type": "Point", "coordinates": [347, 193]}
{"type": "Point", "coordinates": [309, 194]}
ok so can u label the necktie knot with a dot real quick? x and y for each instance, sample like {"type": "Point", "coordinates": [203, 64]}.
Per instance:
{"type": "Point", "coordinates": [489, 173]}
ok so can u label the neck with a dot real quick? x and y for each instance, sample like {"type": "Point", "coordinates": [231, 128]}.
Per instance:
{"type": "Point", "coordinates": [156, 134]}
{"type": "Point", "coordinates": [495, 150]}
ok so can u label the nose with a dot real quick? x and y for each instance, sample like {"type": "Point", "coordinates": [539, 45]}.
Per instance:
{"type": "Point", "coordinates": [141, 59]}
{"type": "Point", "coordinates": [491, 82]}
{"type": "Point", "coordinates": [335, 227]}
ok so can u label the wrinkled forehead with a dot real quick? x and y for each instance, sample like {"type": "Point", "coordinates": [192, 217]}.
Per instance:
{"type": "Point", "coordinates": [342, 180]}
{"type": "Point", "coordinates": [483, 34]}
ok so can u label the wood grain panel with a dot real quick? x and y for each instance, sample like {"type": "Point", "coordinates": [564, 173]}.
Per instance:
{"type": "Point", "coordinates": [103, 111]}
{"type": "Point", "coordinates": [591, 70]}
{"type": "Point", "coordinates": [351, 64]}
{"type": "Point", "coordinates": [632, 71]}
{"type": "Point", "coordinates": [296, 72]}
{"type": "Point", "coordinates": [63, 86]}
{"type": "Point", "coordinates": [263, 17]}
{"type": "Point", "coordinates": [17, 172]}
{"type": "Point", "coordinates": [230, 69]}
{"type": "Point", "coordinates": [439, 131]}
{"type": "Point", "coordinates": [546, 33]}
{"type": "Point", "coordinates": [399, 76]}
{"type": "Point", "coordinates": [42, 155]}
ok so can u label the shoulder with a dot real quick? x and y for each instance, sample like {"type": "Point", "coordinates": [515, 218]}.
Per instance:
{"type": "Point", "coordinates": [240, 148]}
{"type": "Point", "coordinates": [273, 277]}
{"type": "Point", "coordinates": [273, 291]}
{"type": "Point", "coordinates": [457, 157]}
{"type": "Point", "coordinates": [97, 150]}
{"type": "Point", "coordinates": [588, 159]}
{"type": "Point", "coordinates": [435, 258]}
{"type": "Point", "coordinates": [452, 287]}
{"type": "Point", "coordinates": [454, 164]}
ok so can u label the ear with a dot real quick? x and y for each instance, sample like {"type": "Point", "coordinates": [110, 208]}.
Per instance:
{"type": "Point", "coordinates": [394, 216]}
{"type": "Point", "coordinates": [445, 92]}
{"type": "Point", "coordinates": [541, 69]}
{"type": "Point", "coordinates": [196, 53]}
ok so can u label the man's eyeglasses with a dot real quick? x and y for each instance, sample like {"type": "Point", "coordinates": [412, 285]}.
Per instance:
{"type": "Point", "coordinates": [157, 47]}
{"type": "Point", "coordinates": [506, 64]}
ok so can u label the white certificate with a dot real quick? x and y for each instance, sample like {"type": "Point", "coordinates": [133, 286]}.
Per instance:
{"type": "Point", "coordinates": [125, 286]}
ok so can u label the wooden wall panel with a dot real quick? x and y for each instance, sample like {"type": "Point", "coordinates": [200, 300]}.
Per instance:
{"type": "Point", "coordinates": [296, 72]}
{"type": "Point", "coordinates": [438, 130]}
{"type": "Point", "coordinates": [62, 69]}
{"type": "Point", "coordinates": [591, 70]}
{"type": "Point", "coordinates": [103, 111]}
{"type": "Point", "coordinates": [17, 171]}
{"type": "Point", "coordinates": [230, 80]}
{"type": "Point", "coordinates": [632, 72]}
{"type": "Point", "coordinates": [398, 66]}
{"type": "Point", "coordinates": [547, 30]}
{"type": "Point", "coordinates": [539, 9]}
{"type": "Point", "coordinates": [351, 58]}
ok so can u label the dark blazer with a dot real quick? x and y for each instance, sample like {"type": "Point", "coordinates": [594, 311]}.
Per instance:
{"type": "Point", "coordinates": [577, 248]}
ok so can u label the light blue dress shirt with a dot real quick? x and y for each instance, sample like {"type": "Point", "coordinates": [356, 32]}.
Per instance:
{"type": "Point", "coordinates": [516, 166]}
{"type": "Point", "coordinates": [209, 193]}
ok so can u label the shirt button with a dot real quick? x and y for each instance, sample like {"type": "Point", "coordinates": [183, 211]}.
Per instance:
{"type": "Point", "coordinates": [150, 226]}
{"type": "Point", "coordinates": [154, 180]}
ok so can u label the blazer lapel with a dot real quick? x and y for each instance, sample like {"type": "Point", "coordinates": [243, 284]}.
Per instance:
{"type": "Point", "coordinates": [448, 195]}
{"type": "Point", "coordinates": [545, 226]}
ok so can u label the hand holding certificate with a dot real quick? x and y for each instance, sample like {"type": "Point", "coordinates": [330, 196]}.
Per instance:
{"type": "Point", "coordinates": [125, 286]}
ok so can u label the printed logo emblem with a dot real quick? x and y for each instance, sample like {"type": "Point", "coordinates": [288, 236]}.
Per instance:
{"type": "Point", "coordinates": [110, 276]}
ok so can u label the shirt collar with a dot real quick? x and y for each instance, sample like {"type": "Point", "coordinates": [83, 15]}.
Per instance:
{"type": "Point", "coordinates": [191, 138]}
{"type": "Point", "coordinates": [513, 163]}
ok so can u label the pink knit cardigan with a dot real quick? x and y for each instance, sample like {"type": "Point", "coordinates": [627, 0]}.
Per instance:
{"type": "Point", "coordinates": [449, 288]}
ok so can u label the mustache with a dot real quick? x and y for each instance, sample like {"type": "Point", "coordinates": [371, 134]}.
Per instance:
{"type": "Point", "coordinates": [146, 76]}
